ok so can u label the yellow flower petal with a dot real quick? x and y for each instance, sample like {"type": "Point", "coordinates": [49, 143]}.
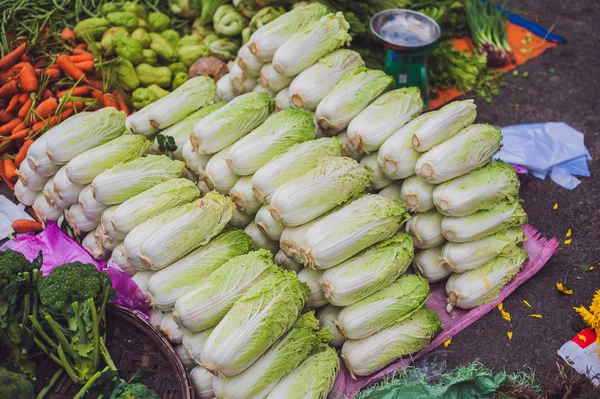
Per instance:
{"type": "Point", "coordinates": [446, 343]}
{"type": "Point", "coordinates": [509, 334]}
{"type": "Point", "coordinates": [555, 207]}
{"type": "Point", "coordinates": [526, 303]}
{"type": "Point", "coordinates": [567, 242]}
{"type": "Point", "coordinates": [582, 337]}
{"type": "Point", "coordinates": [500, 306]}
{"type": "Point", "coordinates": [561, 287]}
{"type": "Point", "coordinates": [537, 316]}
{"type": "Point", "coordinates": [568, 233]}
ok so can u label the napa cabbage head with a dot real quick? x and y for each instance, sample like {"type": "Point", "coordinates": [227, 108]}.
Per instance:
{"type": "Point", "coordinates": [287, 354]}
{"type": "Point", "coordinates": [477, 190]}
{"type": "Point", "coordinates": [254, 323]}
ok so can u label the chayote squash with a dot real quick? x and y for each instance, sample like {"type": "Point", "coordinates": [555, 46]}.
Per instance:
{"type": "Point", "coordinates": [123, 18]}
{"type": "Point", "coordinates": [171, 35]}
{"type": "Point", "coordinates": [190, 40]}
{"type": "Point", "coordinates": [126, 75]}
{"type": "Point", "coordinates": [143, 96]}
{"type": "Point", "coordinates": [150, 57]}
{"type": "Point", "coordinates": [107, 8]}
{"type": "Point", "coordinates": [142, 36]}
{"type": "Point", "coordinates": [158, 21]}
{"type": "Point", "coordinates": [150, 75]}
{"type": "Point", "coordinates": [179, 79]}
{"type": "Point", "coordinates": [129, 48]}
{"type": "Point", "coordinates": [189, 54]}
{"type": "Point", "coordinates": [135, 8]}
{"type": "Point", "coordinates": [177, 67]}
{"type": "Point", "coordinates": [166, 51]}
{"type": "Point", "coordinates": [108, 43]}
{"type": "Point", "coordinates": [93, 27]}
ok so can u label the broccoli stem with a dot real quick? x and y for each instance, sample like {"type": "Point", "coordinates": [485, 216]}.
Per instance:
{"type": "Point", "coordinates": [89, 383]}
{"type": "Point", "coordinates": [41, 345]}
{"type": "Point", "coordinates": [50, 384]}
{"type": "Point", "coordinates": [106, 355]}
{"type": "Point", "coordinates": [95, 335]}
{"type": "Point", "coordinates": [67, 366]}
{"type": "Point", "coordinates": [42, 333]}
{"type": "Point", "coordinates": [62, 340]}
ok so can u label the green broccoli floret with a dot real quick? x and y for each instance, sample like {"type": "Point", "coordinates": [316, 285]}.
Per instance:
{"type": "Point", "coordinates": [138, 391]}
{"type": "Point", "coordinates": [15, 385]}
{"type": "Point", "coordinates": [71, 320]}
{"type": "Point", "coordinates": [11, 264]}
{"type": "Point", "coordinates": [71, 282]}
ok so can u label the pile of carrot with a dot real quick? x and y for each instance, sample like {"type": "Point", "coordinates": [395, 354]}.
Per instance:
{"type": "Point", "coordinates": [37, 93]}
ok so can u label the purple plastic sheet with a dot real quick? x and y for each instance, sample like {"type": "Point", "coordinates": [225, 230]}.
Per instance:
{"type": "Point", "coordinates": [58, 248]}
{"type": "Point", "coordinates": [539, 249]}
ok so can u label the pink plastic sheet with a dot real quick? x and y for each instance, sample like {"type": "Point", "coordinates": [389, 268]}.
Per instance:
{"type": "Point", "coordinates": [539, 249]}
{"type": "Point", "coordinates": [58, 248]}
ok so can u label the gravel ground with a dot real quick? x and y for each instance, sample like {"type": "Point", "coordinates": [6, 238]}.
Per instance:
{"type": "Point", "coordinates": [568, 95]}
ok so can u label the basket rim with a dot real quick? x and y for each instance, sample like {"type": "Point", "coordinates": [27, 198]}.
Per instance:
{"type": "Point", "coordinates": [162, 343]}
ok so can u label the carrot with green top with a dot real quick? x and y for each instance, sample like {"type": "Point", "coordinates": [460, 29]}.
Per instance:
{"type": "Point", "coordinates": [85, 66]}
{"type": "Point", "coordinates": [5, 178]}
{"type": "Point", "coordinates": [47, 107]}
{"type": "Point", "coordinates": [13, 57]}
{"type": "Point", "coordinates": [68, 67]}
{"type": "Point", "coordinates": [79, 91]}
{"type": "Point", "coordinates": [18, 128]}
{"type": "Point", "coordinates": [27, 78]}
{"type": "Point", "coordinates": [85, 56]}
{"type": "Point", "coordinates": [6, 116]}
{"type": "Point", "coordinates": [67, 35]}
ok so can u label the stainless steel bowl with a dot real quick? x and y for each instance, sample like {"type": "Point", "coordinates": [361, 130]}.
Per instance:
{"type": "Point", "coordinates": [405, 30]}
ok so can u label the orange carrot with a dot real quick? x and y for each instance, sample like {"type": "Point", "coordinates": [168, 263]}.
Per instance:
{"type": "Point", "coordinates": [69, 67]}
{"type": "Point", "coordinates": [26, 226]}
{"type": "Point", "coordinates": [67, 35]}
{"type": "Point", "coordinates": [21, 134]}
{"type": "Point", "coordinates": [82, 46]}
{"type": "Point", "coordinates": [18, 128]}
{"type": "Point", "coordinates": [8, 127]}
{"type": "Point", "coordinates": [85, 66]}
{"type": "Point", "coordinates": [20, 157]}
{"type": "Point", "coordinates": [53, 73]}
{"type": "Point", "coordinates": [6, 179]}
{"type": "Point", "coordinates": [13, 57]}
{"type": "Point", "coordinates": [46, 107]}
{"type": "Point", "coordinates": [28, 79]}
{"type": "Point", "coordinates": [39, 63]}
{"type": "Point", "coordinates": [9, 89]}
{"type": "Point", "coordinates": [122, 104]}
{"type": "Point", "coordinates": [96, 94]}
{"type": "Point", "coordinates": [65, 114]}
{"type": "Point", "coordinates": [79, 91]}
{"type": "Point", "coordinates": [78, 105]}
{"type": "Point", "coordinates": [14, 101]}
{"type": "Point", "coordinates": [23, 98]}
{"type": "Point", "coordinates": [108, 101]}
{"type": "Point", "coordinates": [10, 169]}
{"type": "Point", "coordinates": [39, 125]}
{"type": "Point", "coordinates": [85, 56]}
{"type": "Point", "coordinates": [94, 84]}
{"type": "Point", "coordinates": [25, 109]}
{"type": "Point", "coordinates": [6, 116]}
{"type": "Point", "coordinates": [26, 58]}
{"type": "Point", "coordinates": [46, 94]}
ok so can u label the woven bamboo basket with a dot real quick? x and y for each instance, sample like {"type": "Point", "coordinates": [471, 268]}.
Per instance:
{"type": "Point", "coordinates": [133, 344]}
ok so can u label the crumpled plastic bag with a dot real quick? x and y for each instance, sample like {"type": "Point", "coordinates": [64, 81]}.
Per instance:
{"type": "Point", "coordinates": [58, 248]}
{"type": "Point", "coordinates": [551, 149]}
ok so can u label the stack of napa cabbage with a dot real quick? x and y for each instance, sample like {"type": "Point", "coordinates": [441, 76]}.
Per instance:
{"type": "Point", "coordinates": [467, 214]}
{"type": "Point", "coordinates": [88, 165]}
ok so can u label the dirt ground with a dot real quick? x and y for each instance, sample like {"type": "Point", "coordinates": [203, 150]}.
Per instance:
{"type": "Point", "coordinates": [567, 95]}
